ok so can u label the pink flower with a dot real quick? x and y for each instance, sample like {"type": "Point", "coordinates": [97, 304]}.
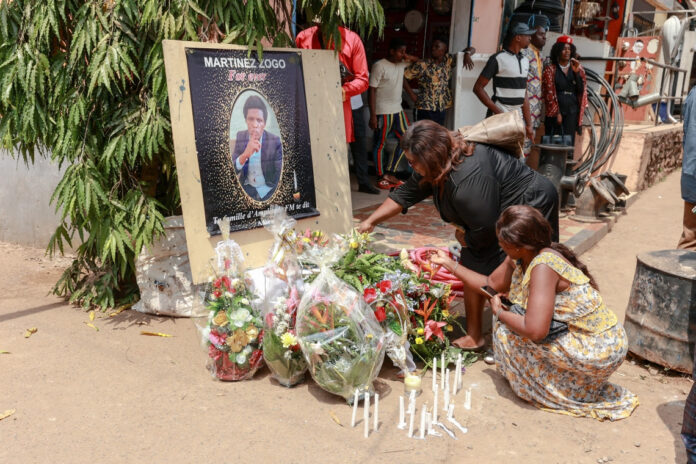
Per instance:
{"type": "Point", "coordinates": [434, 328]}
{"type": "Point", "coordinates": [384, 286]}
{"type": "Point", "coordinates": [370, 295]}
{"type": "Point", "coordinates": [269, 318]}
{"type": "Point", "coordinates": [217, 338]}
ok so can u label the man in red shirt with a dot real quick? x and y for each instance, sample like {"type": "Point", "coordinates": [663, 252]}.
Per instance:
{"type": "Point", "coordinates": [352, 56]}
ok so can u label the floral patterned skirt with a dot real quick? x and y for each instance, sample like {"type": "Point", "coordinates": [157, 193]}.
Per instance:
{"type": "Point", "coordinates": [568, 375]}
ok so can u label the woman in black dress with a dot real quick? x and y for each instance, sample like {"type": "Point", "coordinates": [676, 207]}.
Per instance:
{"type": "Point", "coordinates": [564, 87]}
{"type": "Point", "coordinates": [471, 184]}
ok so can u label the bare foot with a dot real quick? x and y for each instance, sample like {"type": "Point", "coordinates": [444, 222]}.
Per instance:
{"type": "Point", "coordinates": [468, 343]}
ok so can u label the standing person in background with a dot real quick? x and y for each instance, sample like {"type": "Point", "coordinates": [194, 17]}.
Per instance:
{"type": "Point", "coordinates": [534, 97]}
{"type": "Point", "coordinates": [386, 113]}
{"type": "Point", "coordinates": [688, 180]}
{"type": "Point", "coordinates": [434, 75]}
{"type": "Point", "coordinates": [358, 148]}
{"type": "Point", "coordinates": [509, 69]}
{"type": "Point", "coordinates": [565, 89]}
{"type": "Point", "coordinates": [354, 76]}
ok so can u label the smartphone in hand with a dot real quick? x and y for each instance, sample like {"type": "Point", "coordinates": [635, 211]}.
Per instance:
{"type": "Point", "coordinates": [491, 293]}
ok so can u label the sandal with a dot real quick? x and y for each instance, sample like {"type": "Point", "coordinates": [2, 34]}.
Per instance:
{"type": "Point", "coordinates": [384, 184]}
{"type": "Point", "coordinates": [475, 349]}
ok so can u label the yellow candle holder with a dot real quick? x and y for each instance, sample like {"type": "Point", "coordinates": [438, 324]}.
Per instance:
{"type": "Point", "coordinates": [413, 381]}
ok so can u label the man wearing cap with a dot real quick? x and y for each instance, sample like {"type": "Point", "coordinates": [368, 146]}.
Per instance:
{"type": "Point", "coordinates": [540, 24]}
{"type": "Point", "coordinates": [509, 69]}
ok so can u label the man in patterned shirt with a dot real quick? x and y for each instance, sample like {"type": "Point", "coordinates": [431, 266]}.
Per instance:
{"type": "Point", "coordinates": [434, 75]}
{"type": "Point", "coordinates": [540, 24]}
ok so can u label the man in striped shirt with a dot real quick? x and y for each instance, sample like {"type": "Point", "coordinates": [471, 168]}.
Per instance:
{"type": "Point", "coordinates": [508, 68]}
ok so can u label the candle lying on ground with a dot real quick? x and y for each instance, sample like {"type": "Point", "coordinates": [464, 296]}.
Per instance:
{"type": "Point", "coordinates": [366, 413]}
{"type": "Point", "coordinates": [412, 382]}
{"type": "Point", "coordinates": [355, 408]}
{"type": "Point", "coordinates": [376, 413]}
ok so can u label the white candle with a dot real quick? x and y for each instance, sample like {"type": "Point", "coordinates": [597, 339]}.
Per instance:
{"type": "Point", "coordinates": [376, 413]}
{"type": "Point", "coordinates": [294, 180]}
{"type": "Point", "coordinates": [435, 406]}
{"type": "Point", "coordinates": [467, 399]}
{"type": "Point", "coordinates": [429, 422]}
{"type": "Point", "coordinates": [422, 423]}
{"type": "Point", "coordinates": [459, 373]}
{"type": "Point", "coordinates": [450, 411]}
{"type": "Point", "coordinates": [446, 392]}
{"type": "Point", "coordinates": [442, 371]}
{"type": "Point", "coordinates": [366, 413]}
{"type": "Point", "coordinates": [410, 424]}
{"type": "Point", "coordinates": [434, 373]}
{"type": "Point", "coordinates": [412, 402]}
{"type": "Point", "coordinates": [402, 417]}
{"type": "Point", "coordinates": [355, 408]}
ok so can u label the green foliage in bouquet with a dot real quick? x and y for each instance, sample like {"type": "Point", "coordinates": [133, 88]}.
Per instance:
{"type": "Point", "coordinates": [342, 357]}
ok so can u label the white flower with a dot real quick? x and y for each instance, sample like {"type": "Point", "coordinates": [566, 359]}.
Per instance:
{"type": "Point", "coordinates": [210, 279]}
{"type": "Point", "coordinates": [206, 333]}
{"type": "Point", "coordinates": [240, 316]}
{"type": "Point", "coordinates": [228, 295]}
{"type": "Point", "coordinates": [247, 350]}
{"type": "Point", "coordinates": [287, 355]}
{"type": "Point", "coordinates": [241, 358]}
{"type": "Point", "coordinates": [244, 301]}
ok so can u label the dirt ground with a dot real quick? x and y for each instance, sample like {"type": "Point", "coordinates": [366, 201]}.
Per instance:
{"type": "Point", "coordinates": [116, 396]}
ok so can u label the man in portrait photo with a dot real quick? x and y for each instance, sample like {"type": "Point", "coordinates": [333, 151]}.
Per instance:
{"type": "Point", "coordinates": [257, 154]}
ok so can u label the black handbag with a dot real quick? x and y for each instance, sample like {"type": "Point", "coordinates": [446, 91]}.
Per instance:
{"type": "Point", "coordinates": [556, 329]}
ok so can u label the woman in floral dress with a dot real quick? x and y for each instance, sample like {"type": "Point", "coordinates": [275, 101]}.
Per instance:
{"type": "Point", "coordinates": [566, 373]}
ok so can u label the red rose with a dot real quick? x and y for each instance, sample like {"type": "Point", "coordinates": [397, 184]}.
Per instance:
{"type": "Point", "coordinates": [226, 282]}
{"type": "Point", "coordinates": [381, 313]}
{"type": "Point", "coordinates": [370, 295]}
{"type": "Point", "coordinates": [214, 352]}
{"type": "Point", "coordinates": [384, 286]}
{"type": "Point", "coordinates": [217, 294]}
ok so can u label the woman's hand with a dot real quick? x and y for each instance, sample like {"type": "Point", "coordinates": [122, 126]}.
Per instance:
{"type": "Point", "coordinates": [442, 259]}
{"type": "Point", "coordinates": [575, 64]}
{"type": "Point", "coordinates": [365, 226]}
{"type": "Point", "coordinates": [496, 305]}
{"type": "Point", "coordinates": [373, 122]}
{"type": "Point", "coordinates": [559, 119]}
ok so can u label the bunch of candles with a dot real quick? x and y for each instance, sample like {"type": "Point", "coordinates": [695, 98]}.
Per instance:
{"type": "Point", "coordinates": [366, 412]}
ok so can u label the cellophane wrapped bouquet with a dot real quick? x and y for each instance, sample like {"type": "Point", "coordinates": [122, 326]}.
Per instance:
{"type": "Point", "coordinates": [377, 277]}
{"type": "Point", "coordinates": [283, 278]}
{"type": "Point", "coordinates": [233, 333]}
{"type": "Point", "coordinates": [340, 337]}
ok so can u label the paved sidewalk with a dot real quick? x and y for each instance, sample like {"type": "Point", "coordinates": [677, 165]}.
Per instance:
{"type": "Point", "coordinates": [423, 227]}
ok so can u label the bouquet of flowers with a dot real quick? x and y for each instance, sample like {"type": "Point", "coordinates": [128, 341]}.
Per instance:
{"type": "Point", "coordinates": [233, 335]}
{"type": "Point", "coordinates": [339, 335]}
{"type": "Point", "coordinates": [281, 349]}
